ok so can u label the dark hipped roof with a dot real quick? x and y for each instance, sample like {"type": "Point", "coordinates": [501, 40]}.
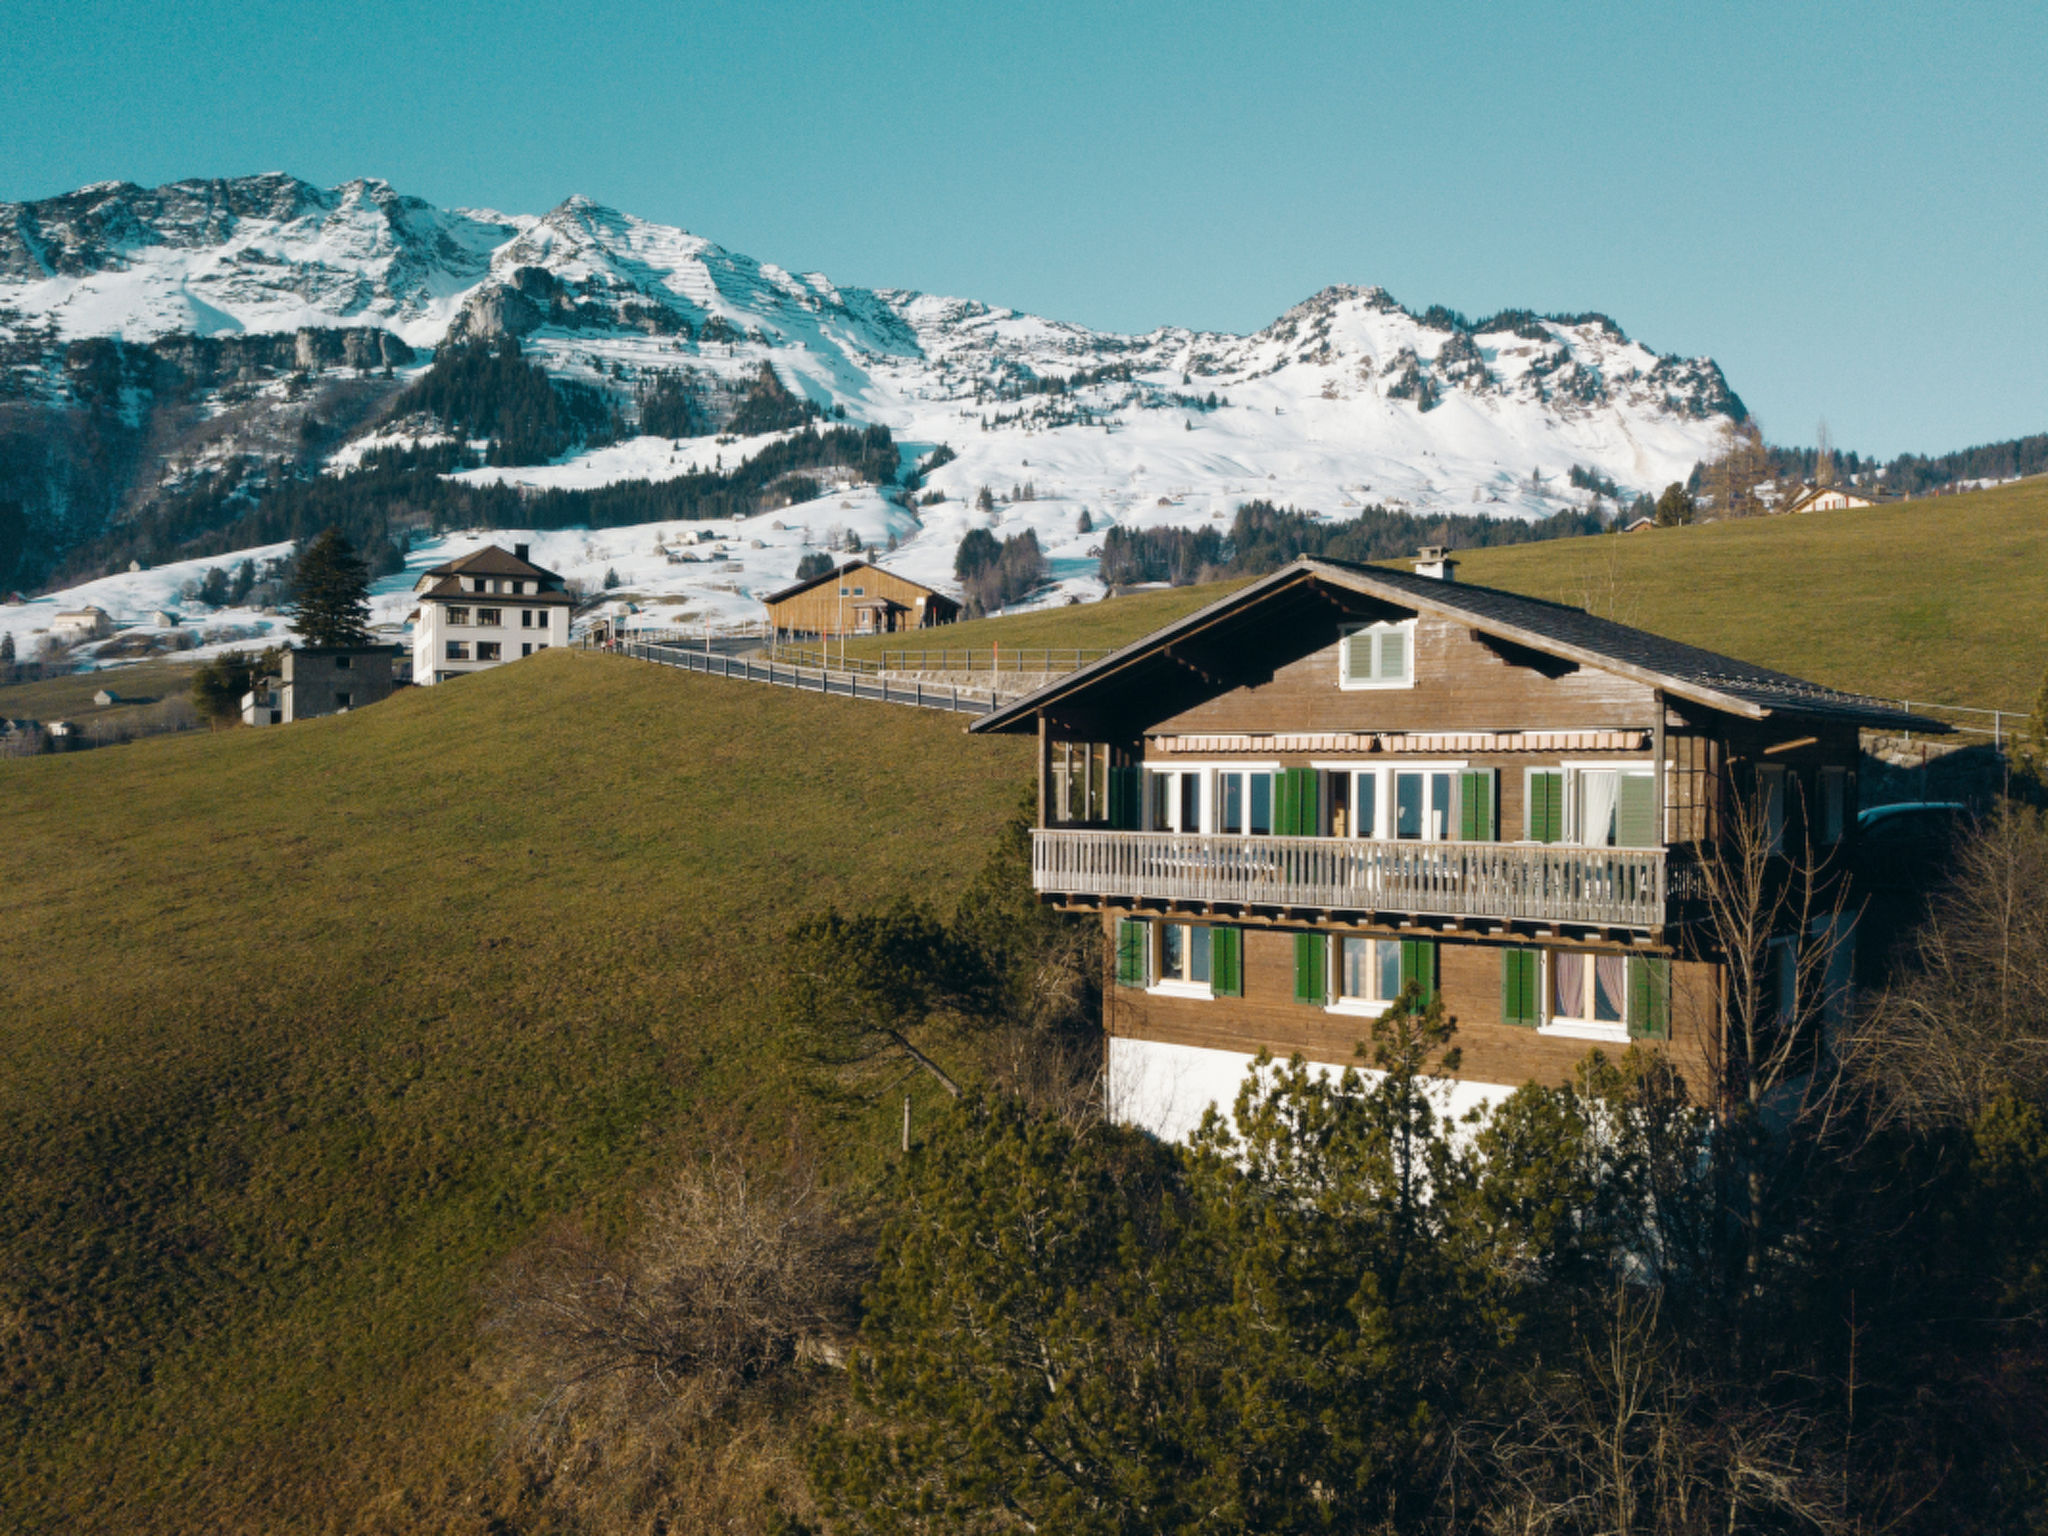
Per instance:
{"type": "Point", "coordinates": [450, 588]}
{"type": "Point", "coordinates": [836, 571]}
{"type": "Point", "coordinates": [492, 561]}
{"type": "Point", "coordinates": [1685, 671]}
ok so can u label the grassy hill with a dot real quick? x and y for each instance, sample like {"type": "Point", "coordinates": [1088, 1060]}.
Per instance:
{"type": "Point", "coordinates": [1943, 600]}
{"type": "Point", "coordinates": [304, 1029]}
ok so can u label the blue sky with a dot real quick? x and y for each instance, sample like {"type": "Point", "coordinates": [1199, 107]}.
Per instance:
{"type": "Point", "coordinates": [1843, 204]}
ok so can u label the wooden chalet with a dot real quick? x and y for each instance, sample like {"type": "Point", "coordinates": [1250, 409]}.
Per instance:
{"type": "Point", "coordinates": [859, 598]}
{"type": "Point", "coordinates": [1343, 778]}
{"type": "Point", "coordinates": [1835, 498]}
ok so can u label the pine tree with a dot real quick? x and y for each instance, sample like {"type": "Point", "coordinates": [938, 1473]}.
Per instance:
{"type": "Point", "coordinates": [331, 593]}
{"type": "Point", "coordinates": [611, 577]}
{"type": "Point", "coordinates": [1087, 524]}
{"type": "Point", "coordinates": [7, 649]}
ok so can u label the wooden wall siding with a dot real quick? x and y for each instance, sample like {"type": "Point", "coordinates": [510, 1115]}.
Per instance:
{"type": "Point", "coordinates": [1468, 980]}
{"type": "Point", "coordinates": [1462, 684]}
{"type": "Point", "coordinates": [821, 610]}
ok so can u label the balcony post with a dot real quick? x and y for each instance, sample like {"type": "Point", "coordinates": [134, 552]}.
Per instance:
{"type": "Point", "coordinates": [1657, 757]}
{"type": "Point", "coordinates": [1044, 770]}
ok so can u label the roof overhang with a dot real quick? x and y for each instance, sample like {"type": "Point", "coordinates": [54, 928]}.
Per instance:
{"type": "Point", "coordinates": [1021, 715]}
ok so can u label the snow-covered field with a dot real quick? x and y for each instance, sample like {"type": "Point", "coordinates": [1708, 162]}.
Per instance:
{"type": "Point", "coordinates": [1347, 400]}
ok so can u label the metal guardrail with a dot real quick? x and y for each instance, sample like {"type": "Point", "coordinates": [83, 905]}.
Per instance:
{"type": "Point", "coordinates": [998, 659]}
{"type": "Point", "coordinates": [1605, 887]}
{"type": "Point", "coordinates": [2005, 726]}
{"type": "Point", "coordinates": [845, 685]}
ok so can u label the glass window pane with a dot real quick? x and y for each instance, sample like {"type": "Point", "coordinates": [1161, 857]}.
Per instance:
{"type": "Point", "coordinates": [1610, 988]}
{"type": "Point", "coordinates": [1356, 977]}
{"type": "Point", "coordinates": [1262, 804]}
{"type": "Point", "coordinates": [1162, 808]}
{"type": "Point", "coordinates": [1364, 801]}
{"type": "Point", "coordinates": [1440, 806]}
{"type": "Point", "coordinates": [1198, 954]}
{"type": "Point", "coordinates": [1390, 969]}
{"type": "Point", "coordinates": [1568, 985]}
{"type": "Point", "coordinates": [1358, 657]}
{"type": "Point", "coordinates": [1407, 805]}
{"type": "Point", "coordinates": [1231, 802]}
{"type": "Point", "coordinates": [1191, 802]}
{"type": "Point", "coordinates": [1173, 951]}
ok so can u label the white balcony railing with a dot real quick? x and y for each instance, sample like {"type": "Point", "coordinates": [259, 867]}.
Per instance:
{"type": "Point", "coordinates": [1607, 887]}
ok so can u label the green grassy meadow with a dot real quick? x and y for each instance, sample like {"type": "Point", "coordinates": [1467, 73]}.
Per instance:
{"type": "Point", "coordinates": [1942, 600]}
{"type": "Point", "coordinates": [305, 1029]}
{"type": "Point", "coordinates": [70, 697]}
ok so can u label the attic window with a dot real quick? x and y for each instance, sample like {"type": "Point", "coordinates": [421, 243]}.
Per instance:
{"type": "Point", "coordinates": [1377, 656]}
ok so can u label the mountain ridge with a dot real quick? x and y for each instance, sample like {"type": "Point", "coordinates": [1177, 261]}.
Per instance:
{"type": "Point", "coordinates": [1347, 398]}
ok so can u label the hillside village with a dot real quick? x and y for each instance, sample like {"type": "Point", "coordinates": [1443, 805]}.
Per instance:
{"type": "Point", "coordinates": [644, 894]}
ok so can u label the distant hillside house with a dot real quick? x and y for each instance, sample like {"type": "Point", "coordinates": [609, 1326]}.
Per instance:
{"type": "Point", "coordinates": [1835, 498]}
{"type": "Point", "coordinates": [859, 598]}
{"type": "Point", "coordinates": [1640, 525]}
{"type": "Point", "coordinates": [483, 610]}
{"type": "Point", "coordinates": [82, 624]}
{"type": "Point", "coordinates": [322, 680]}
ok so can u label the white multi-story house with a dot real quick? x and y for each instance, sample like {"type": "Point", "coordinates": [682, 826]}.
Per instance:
{"type": "Point", "coordinates": [485, 609]}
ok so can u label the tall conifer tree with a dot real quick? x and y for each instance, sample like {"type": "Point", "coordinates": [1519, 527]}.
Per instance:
{"type": "Point", "coordinates": [331, 593]}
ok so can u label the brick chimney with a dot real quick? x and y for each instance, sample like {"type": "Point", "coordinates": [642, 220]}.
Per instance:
{"type": "Point", "coordinates": [1435, 560]}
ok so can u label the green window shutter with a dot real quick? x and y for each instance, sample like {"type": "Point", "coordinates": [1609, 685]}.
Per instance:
{"type": "Point", "coordinates": [1635, 822]}
{"type": "Point", "coordinates": [1311, 950]}
{"type": "Point", "coordinates": [1418, 964]}
{"type": "Point", "coordinates": [1649, 998]}
{"type": "Point", "coordinates": [1126, 798]}
{"type": "Point", "coordinates": [1475, 805]}
{"type": "Point", "coordinates": [1520, 970]}
{"type": "Point", "coordinates": [1226, 961]}
{"type": "Point", "coordinates": [1546, 807]}
{"type": "Point", "coordinates": [1297, 803]}
{"type": "Point", "coordinates": [1130, 952]}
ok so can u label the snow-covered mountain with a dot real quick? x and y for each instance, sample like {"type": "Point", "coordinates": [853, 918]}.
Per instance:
{"type": "Point", "coordinates": [315, 306]}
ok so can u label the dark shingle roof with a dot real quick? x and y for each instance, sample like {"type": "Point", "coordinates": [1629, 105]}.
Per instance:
{"type": "Point", "coordinates": [492, 561]}
{"type": "Point", "coordinates": [450, 588]}
{"type": "Point", "coordinates": [1720, 682]}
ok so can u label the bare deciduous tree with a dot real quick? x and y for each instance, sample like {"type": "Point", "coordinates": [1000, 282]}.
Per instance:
{"type": "Point", "coordinates": [733, 1280]}
{"type": "Point", "coordinates": [1970, 1021]}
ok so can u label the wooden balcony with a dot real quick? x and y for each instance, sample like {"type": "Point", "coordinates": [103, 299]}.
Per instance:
{"type": "Point", "coordinates": [1523, 884]}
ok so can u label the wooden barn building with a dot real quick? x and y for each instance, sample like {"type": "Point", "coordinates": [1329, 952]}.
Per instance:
{"type": "Point", "coordinates": [1342, 780]}
{"type": "Point", "coordinates": [859, 598]}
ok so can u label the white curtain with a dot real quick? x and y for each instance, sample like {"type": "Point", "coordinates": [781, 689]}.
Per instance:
{"type": "Point", "coordinates": [1568, 985]}
{"type": "Point", "coordinates": [1599, 789]}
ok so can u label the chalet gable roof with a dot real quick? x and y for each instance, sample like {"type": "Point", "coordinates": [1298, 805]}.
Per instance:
{"type": "Point", "coordinates": [1570, 634]}
{"type": "Point", "coordinates": [843, 570]}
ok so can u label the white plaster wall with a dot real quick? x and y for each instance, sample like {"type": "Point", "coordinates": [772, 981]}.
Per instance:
{"type": "Point", "coordinates": [431, 632]}
{"type": "Point", "coordinates": [1165, 1089]}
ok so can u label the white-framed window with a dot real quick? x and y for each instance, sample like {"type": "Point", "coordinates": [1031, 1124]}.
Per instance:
{"type": "Point", "coordinates": [458, 615]}
{"type": "Point", "coordinates": [458, 650]}
{"type": "Point", "coordinates": [1366, 974]}
{"type": "Point", "coordinates": [1585, 996]}
{"type": "Point", "coordinates": [1244, 802]}
{"type": "Point", "coordinates": [1611, 805]}
{"type": "Point", "coordinates": [489, 618]}
{"type": "Point", "coordinates": [490, 650]}
{"type": "Point", "coordinates": [1377, 655]}
{"type": "Point", "coordinates": [526, 649]}
{"type": "Point", "coordinates": [1175, 799]}
{"type": "Point", "coordinates": [540, 618]}
{"type": "Point", "coordinates": [1181, 956]}
{"type": "Point", "coordinates": [1416, 803]}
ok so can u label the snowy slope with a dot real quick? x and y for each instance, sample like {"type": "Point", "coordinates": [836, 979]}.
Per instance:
{"type": "Point", "coordinates": [1346, 400]}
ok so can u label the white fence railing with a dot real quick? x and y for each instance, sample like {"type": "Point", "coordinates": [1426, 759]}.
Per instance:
{"type": "Point", "coordinates": [1608, 887]}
